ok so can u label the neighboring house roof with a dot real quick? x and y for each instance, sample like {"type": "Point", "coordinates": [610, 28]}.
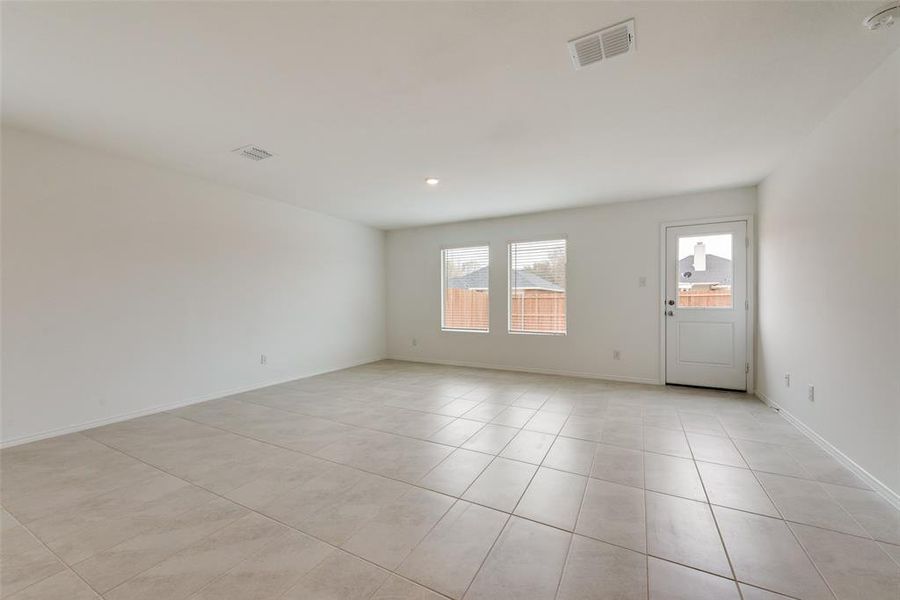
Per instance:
{"type": "Point", "coordinates": [718, 270]}
{"type": "Point", "coordinates": [478, 280]}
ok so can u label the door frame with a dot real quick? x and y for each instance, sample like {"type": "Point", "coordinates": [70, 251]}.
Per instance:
{"type": "Point", "coordinates": [751, 291]}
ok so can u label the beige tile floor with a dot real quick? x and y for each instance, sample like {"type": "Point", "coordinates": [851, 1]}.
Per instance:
{"type": "Point", "coordinates": [404, 481]}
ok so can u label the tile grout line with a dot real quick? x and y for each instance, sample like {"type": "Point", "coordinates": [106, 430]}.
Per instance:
{"type": "Point", "coordinates": [495, 456]}
{"type": "Point", "coordinates": [847, 512]}
{"type": "Point", "coordinates": [210, 534]}
{"type": "Point", "coordinates": [520, 429]}
{"type": "Point", "coordinates": [244, 560]}
{"type": "Point", "coordinates": [533, 475]}
{"type": "Point", "coordinates": [450, 495]}
{"type": "Point", "coordinates": [251, 510]}
{"type": "Point", "coordinates": [487, 554]}
{"type": "Point", "coordinates": [419, 543]}
{"type": "Point", "coordinates": [314, 456]}
{"type": "Point", "coordinates": [487, 466]}
{"type": "Point", "coordinates": [809, 558]}
{"type": "Point", "coordinates": [587, 481]}
{"type": "Point", "coordinates": [462, 416]}
{"type": "Point", "coordinates": [484, 424]}
{"type": "Point", "coordinates": [386, 431]}
{"type": "Point", "coordinates": [713, 515]}
{"type": "Point", "coordinates": [446, 458]}
{"type": "Point", "coordinates": [422, 487]}
{"type": "Point", "coordinates": [646, 527]}
{"type": "Point", "coordinates": [509, 515]}
{"type": "Point", "coordinates": [786, 524]}
{"type": "Point", "coordinates": [503, 529]}
{"type": "Point", "coordinates": [219, 495]}
{"type": "Point", "coordinates": [66, 566]}
{"type": "Point", "coordinates": [781, 518]}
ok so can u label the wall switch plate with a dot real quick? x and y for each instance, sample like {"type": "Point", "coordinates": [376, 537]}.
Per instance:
{"type": "Point", "coordinates": [787, 380]}
{"type": "Point", "coordinates": [617, 355]}
{"type": "Point", "coordinates": [263, 359]}
{"type": "Point", "coordinates": [415, 342]}
{"type": "Point", "coordinates": [811, 393]}
{"type": "Point", "coordinates": [642, 281]}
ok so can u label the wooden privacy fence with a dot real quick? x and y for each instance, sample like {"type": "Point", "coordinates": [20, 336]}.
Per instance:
{"type": "Point", "coordinates": [539, 311]}
{"type": "Point", "coordinates": [705, 298]}
{"type": "Point", "coordinates": [544, 311]}
{"type": "Point", "coordinates": [466, 309]}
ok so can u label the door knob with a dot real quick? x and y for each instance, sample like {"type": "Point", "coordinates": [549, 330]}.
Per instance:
{"type": "Point", "coordinates": [671, 313]}
{"type": "Point", "coordinates": [671, 303]}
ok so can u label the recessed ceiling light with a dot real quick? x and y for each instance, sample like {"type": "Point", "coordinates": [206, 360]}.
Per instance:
{"type": "Point", "coordinates": [432, 180]}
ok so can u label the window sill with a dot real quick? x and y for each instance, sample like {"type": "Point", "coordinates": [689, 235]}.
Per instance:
{"type": "Point", "coordinates": [538, 333]}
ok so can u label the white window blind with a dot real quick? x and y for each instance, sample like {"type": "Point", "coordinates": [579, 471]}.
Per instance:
{"type": "Point", "coordinates": [465, 288]}
{"type": "Point", "coordinates": [537, 287]}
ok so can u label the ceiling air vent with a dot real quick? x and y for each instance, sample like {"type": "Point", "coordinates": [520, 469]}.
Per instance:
{"type": "Point", "coordinates": [253, 152]}
{"type": "Point", "coordinates": [606, 43]}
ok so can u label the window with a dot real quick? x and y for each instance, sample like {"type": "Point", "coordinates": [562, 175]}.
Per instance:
{"type": "Point", "coordinates": [464, 288]}
{"type": "Point", "coordinates": [705, 272]}
{"type": "Point", "coordinates": [537, 287]}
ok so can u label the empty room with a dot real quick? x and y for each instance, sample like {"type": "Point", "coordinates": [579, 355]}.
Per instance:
{"type": "Point", "coordinates": [450, 300]}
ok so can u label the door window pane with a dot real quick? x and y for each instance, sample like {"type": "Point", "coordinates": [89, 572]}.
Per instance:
{"type": "Point", "coordinates": [705, 271]}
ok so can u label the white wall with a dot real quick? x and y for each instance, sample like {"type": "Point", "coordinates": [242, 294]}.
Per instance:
{"type": "Point", "coordinates": [127, 288]}
{"type": "Point", "coordinates": [829, 280]}
{"type": "Point", "coordinates": [609, 248]}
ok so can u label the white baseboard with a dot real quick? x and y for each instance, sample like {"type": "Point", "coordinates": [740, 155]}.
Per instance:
{"type": "Point", "coordinates": [50, 433]}
{"type": "Point", "coordinates": [541, 371]}
{"type": "Point", "coordinates": [873, 482]}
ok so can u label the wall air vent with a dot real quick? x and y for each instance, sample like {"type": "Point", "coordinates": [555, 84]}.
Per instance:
{"type": "Point", "coordinates": [604, 44]}
{"type": "Point", "coordinates": [253, 152]}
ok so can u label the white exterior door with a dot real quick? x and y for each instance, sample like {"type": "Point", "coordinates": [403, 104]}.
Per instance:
{"type": "Point", "coordinates": [706, 305]}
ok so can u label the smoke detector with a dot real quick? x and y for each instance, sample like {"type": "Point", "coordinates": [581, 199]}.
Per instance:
{"type": "Point", "coordinates": [883, 17]}
{"type": "Point", "coordinates": [252, 152]}
{"type": "Point", "coordinates": [617, 40]}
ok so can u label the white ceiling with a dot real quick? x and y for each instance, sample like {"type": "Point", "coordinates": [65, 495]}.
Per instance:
{"type": "Point", "coordinates": [362, 101]}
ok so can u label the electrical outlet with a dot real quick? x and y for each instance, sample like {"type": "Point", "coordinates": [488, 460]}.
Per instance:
{"type": "Point", "coordinates": [811, 393]}
{"type": "Point", "coordinates": [617, 355]}
{"type": "Point", "coordinates": [787, 380]}
{"type": "Point", "coordinates": [263, 359]}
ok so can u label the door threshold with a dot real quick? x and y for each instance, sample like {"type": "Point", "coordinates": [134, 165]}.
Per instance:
{"type": "Point", "coordinates": [705, 387]}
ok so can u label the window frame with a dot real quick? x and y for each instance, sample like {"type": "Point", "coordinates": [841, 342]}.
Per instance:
{"type": "Point", "coordinates": [509, 284]}
{"type": "Point", "coordinates": [443, 288]}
